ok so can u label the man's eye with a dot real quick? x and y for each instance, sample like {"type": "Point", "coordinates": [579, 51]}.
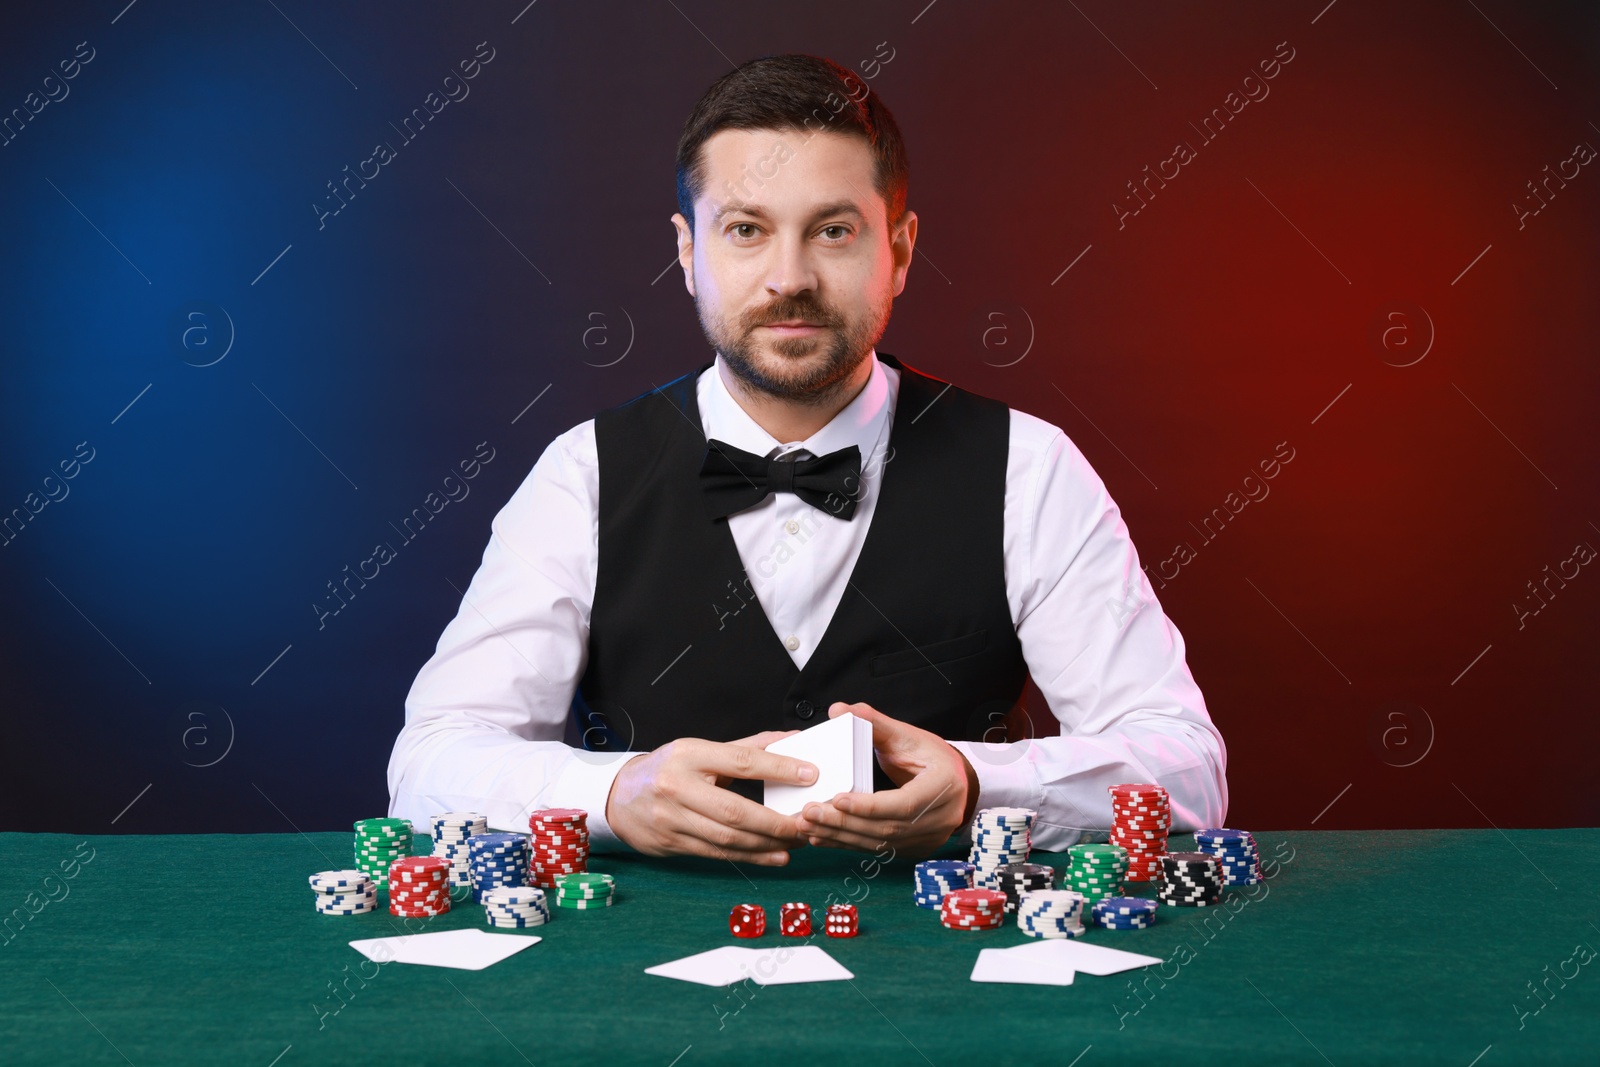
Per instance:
{"type": "Point", "coordinates": [844, 231]}
{"type": "Point", "coordinates": [741, 226]}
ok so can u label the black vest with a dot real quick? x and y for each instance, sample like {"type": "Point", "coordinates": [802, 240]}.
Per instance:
{"type": "Point", "coordinates": [679, 645]}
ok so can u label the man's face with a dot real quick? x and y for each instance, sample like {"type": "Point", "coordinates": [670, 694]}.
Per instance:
{"type": "Point", "coordinates": [788, 228]}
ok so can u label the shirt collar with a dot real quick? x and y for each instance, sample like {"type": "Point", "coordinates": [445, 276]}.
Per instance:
{"type": "Point", "coordinates": [860, 422]}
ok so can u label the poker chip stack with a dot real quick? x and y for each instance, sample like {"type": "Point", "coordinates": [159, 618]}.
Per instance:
{"type": "Point", "coordinates": [419, 886]}
{"type": "Point", "coordinates": [558, 844]}
{"type": "Point", "coordinates": [1015, 879]}
{"type": "Point", "coordinates": [344, 892]}
{"type": "Point", "coordinates": [999, 837]}
{"type": "Point", "coordinates": [497, 860]}
{"type": "Point", "coordinates": [842, 920]}
{"type": "Point", "coordinates": [516, 907]}
{"type": "Point", "coordinates": [935, 878]}
{"type": "Point", "coordinates": [1237, 852]}
{"type": "Point", "coordinates": [1141, 815]}
{"type": "Point", "coordinates": [379, 842]}
{"type": "Point", "coordinates": [1191, 879]}
{"type": "Point", "coordinates": [747, 920]}
{"type": "Point", "coordinates": [1096, 871]}
{"type": "Point", "coordinates": [451, 832]}
{"type": "Point", "coordinates": [1053, 913]}
{"type": "Point", "coordinates": [794, 920]}
{"type": "Point", "coordinates": [973, 909]}
{"type": "Point", "coordinates": [581, 890]}
{"type": "Point", "coordinates": [1125, 913]}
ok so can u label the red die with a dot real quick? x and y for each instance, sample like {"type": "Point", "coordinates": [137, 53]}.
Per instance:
{"type": "Point", "coordinates": [795, 920]}
{"type": "Point", "coordinates": [842, 921]}
{"type": "Point", "coordinates": [747, 920]}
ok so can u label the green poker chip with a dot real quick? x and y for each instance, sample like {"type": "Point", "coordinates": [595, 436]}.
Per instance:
{"type": "Point", "coordinates": [584, 878]}
{"type": "Point", "coordinates": [582, 904]}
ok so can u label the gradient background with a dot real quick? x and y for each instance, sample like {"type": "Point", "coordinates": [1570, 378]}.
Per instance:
{"type": "Point", "coordinates": [1353, 632]}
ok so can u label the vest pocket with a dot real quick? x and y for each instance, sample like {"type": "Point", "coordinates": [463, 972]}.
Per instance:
{"type": "Point", "coordinates": [930, 654]}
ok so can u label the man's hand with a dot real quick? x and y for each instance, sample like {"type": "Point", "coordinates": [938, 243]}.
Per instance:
{"type": "Point", "coordinates": [670, 802]}
{"type": "Point", "coordinates": [937, 790]}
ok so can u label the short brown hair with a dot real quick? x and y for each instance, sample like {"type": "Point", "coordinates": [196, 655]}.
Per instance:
{"type": "Point", "coordinates": [794, 92]}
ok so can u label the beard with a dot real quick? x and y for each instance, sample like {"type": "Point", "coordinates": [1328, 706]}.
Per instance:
{"type": "Point", "coordinates": [806, 370]}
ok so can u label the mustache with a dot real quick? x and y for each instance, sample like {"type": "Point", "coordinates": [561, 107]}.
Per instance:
{"type": "Point", "coordinates": [816, 316]}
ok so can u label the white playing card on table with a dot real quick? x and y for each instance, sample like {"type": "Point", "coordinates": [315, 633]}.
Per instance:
{"type": "Point", "coordinates": [1001, 965]}
{"type": "Point", "coordinates": [718, 966]}
{"type": "Point", "coordinates": [467, 950]}
{"type": "Point", "coordinates": [1083, 957]}
{"type": "Point", "coordinates": [779, 965]}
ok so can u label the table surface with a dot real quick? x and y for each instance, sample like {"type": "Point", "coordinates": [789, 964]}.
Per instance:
{"type": "Point", "coordinates": [1412, 947]}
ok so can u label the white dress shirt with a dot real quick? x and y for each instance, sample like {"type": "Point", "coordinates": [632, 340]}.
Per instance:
{"type": "Point", "coordinates": [487, 713]}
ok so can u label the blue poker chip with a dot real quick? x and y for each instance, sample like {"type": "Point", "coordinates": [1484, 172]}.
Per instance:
{"type": "Point", "coordinates": [1126, 906]}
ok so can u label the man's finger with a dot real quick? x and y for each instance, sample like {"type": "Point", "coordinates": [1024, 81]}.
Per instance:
{"type": "Point", "coordinates": [685, 845]}
{"type": "Point", "coordinates": [726, 808]}
{"type": "Point", "coordinates": [905, 803]}
{"type": "Point", "coordinates": [886, 729]}
{"type": "Point", "coordinates": [849, 839]}
{"type": "Point", "coordinates": [764, 738]}
{"type": "Point", "coordinates": [832, 822]}
{"type": "Point", "coordinates": [743, 761]}
{"type": "Point", "coordinates": [730, 839]}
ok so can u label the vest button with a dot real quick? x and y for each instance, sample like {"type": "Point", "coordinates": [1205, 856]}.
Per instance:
{"type": "Point", "coordinates": [804, 708]}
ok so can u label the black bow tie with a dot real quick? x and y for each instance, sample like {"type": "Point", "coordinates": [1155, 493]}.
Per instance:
{"type": "Point", "coordinates": [735, 479]}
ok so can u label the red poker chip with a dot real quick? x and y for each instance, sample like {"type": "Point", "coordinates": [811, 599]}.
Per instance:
{"type": "Point", "coordinates": [557, 816]}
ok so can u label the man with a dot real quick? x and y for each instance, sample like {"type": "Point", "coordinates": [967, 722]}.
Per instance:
{"type": "Point", "coordinates": [803, 527]}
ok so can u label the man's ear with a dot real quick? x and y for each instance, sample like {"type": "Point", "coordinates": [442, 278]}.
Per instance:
{"type": "Point", "coordinates": [685, 250]}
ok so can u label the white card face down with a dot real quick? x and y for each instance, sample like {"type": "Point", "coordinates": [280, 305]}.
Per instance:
{"type": "Point", "coordinates": [808, 963]}
{"type": "Point", "coordinates": [718, 966]}
{"type": "Point", "coordinates": [1002, 965]}
{"type": "Point", "coordinates": [467, 950]}
{"type": "Point", "coordinates": [763, 966]}
{"type": "Point", "coordinates": [1083, 957]}
{"type": "Point", "coordinates": [840, 749]}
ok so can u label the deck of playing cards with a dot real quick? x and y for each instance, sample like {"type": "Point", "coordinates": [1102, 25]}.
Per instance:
{"type": "Point", "coordinates": [840, 749]}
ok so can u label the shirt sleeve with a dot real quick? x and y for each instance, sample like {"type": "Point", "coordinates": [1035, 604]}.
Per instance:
{"type": "Point", "coordinates": [1108, 660]}
{"type": "Point", "coordinates": [486, 715]}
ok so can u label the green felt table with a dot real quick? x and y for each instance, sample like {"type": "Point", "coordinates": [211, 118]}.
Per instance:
{"type": "Point", "coordinates": [1411, 947]}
